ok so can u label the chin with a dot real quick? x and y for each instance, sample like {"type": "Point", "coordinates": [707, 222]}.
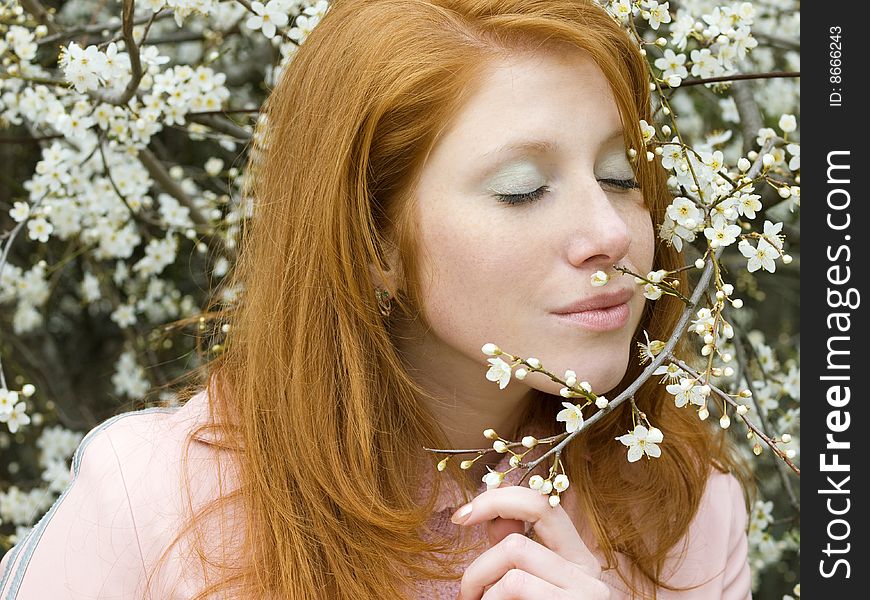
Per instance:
{"type": "Point", "coordinates": [604, 376]}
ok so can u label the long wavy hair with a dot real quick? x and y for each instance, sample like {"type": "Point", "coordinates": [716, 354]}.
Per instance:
{"type": "Point", "coordinates": [310, 395]}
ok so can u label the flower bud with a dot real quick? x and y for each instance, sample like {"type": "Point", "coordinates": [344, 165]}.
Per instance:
{"type": "Point", "coordinates": [601, 402]}
{"type": "Point", "coordinates": [492, 479]}
{"type": "Point", "coordinates": [442, 464]}
{"type": "Point", "coordinates": [554, 500]}
{"type": "Point", "coordinates": [787, 123]}
{"type": "Point", "coordinates": [790, 453]}
{"type": "Point", "coordinates": [737, 303]}
{"type": "Point", "coordinates": [786, 437]}
{"type": "Point", "coordinates": [784, 192]}
{"type": "Point", "coordinates": [726, 357]}
{"type": "Point", "coordinates": [666, 130]}
{"type": "Point", "coordinates": [546, 487]}
{"type": "Point", "coordinates": [28, 390]}
{"type": "Point", "coordinates": [703, 413]}
{"type": "Point", "coordinates": [699, 263]}
{"type": "Point", "coordinates": [490, 434]}
{"type": "Point", "coordinates": [599, 278]}
{"type": "Point", "coordinates": [728, 289]}
{"type": "Point", "coordinates": [514, 461]}
{"type": "Point", "coordinates": [530, 441]}
{"type": "Point", "coordinates": [570, 378]}
{"type": "Point", "coordinates": [725, 422]}
{"type": "Point", "coordinates": [560, 483]}
{"type": "Point", "coordinates": [535, 482]}
{"type": "Point", "coordinates": [491, 349]}
{"type": "Point", "coordinates": [742, 409]}
{"type": "Point", "coordinates": [520, 373]}
{"type": "Point", "coordinates": [786, 259]}
{"type": "Point", "coordinates": [466, 464]}
{"type": "Point", "coordinates": [534, 363]}
{"type": "Point", "coordinates": [745, 394]}
{"type": "Point", "coordinates": [499, 446]}
{"type": "Point", "coordinates": [743, 164]}
{"type": "Point", "coordinates": [756, 449]}
{"type": "Point", "coordinates": [767, 160]}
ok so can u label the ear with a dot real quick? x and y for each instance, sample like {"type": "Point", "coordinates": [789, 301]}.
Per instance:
{"type": "Point", "coordinates": [392, 276]}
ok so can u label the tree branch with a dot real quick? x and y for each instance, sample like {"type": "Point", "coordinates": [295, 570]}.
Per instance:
{"type": "Point", "coordinates": [158, 172]}
{"type": "Point", "coordinates": [35, 8]}
{"type": "Point", "coordinates": [741, 77]}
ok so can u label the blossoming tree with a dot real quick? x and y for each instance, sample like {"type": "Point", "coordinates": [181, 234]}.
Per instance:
{"type": "Point", "coordinates": [123, 122]}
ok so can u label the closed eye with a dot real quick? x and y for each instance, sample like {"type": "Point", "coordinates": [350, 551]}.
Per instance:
{"type": "Point", "coordinates": [523, 198]}
{"type": "Point", "coordinates": [626, 184]}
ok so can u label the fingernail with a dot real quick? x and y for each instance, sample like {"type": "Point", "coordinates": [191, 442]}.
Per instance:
{"type": "Point", "coordinates": [461, 515]}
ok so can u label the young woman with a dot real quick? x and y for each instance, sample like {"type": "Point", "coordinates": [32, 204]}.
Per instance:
{"type": "Point", "coordinates": [432, 175]}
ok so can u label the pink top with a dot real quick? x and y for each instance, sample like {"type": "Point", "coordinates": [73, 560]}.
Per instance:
{"type": "Point", "coordinates": [125, 503]}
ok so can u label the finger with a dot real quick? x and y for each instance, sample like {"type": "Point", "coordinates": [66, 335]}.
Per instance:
{"type": "Point", "coordinates": [553, 527]}
{"type": "Point", "coordinates": [519, 552]}
{"type": "Point", "coordinates": [498, 529]}
{"type": "Point", "coordinates": [518, 585]}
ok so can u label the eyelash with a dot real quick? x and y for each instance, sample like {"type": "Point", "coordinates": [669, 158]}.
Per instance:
{"type": "Point", "coordinates": [625, 184]}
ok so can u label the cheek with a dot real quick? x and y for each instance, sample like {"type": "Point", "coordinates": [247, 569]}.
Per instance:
{"type": "Point", "coordinates": [462, 261]}
{"type": "Point", "coordinates": [643, 242]}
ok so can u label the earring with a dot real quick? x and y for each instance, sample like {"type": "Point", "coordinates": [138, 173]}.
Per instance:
{"type": "Point", "coordinates": [385, 304]}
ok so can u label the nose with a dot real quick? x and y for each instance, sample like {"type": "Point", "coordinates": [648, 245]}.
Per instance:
{"type": "Point", "coordinates": [599, 234]}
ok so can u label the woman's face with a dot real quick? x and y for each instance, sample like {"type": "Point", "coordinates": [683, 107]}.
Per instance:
{"type": "Point", "coordinates": [544, 125]}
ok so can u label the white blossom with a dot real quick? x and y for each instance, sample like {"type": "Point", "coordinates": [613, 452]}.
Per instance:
{"type": "Point", "coordinates": [642, 441]}
{"type": "Point", "coordinates": [500, 371]}
{"type": "Point", "coordinates": [572, 415]}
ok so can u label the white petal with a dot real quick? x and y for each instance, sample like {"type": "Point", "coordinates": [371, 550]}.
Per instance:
{"type": "Point", "coordinates": [634, 453]}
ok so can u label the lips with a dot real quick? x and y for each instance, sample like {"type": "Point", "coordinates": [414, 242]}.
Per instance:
{"type": "Point", "coordinates": [600, 313]}
{"type": "Point", "coordinates": [597, 302]}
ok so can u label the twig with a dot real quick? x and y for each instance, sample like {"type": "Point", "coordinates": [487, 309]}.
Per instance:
{"type": "Point", "coordinates": [35, 8]}
{"type": "Point", "coordinates": [4, 256]}
{"type": "Point", "coordinates": [99, 27]}
{"type": "Point", "coordinates": [133, 52]}
{"type": "Point", "coordinates": [218, 123]}
{"type": "Point", "coordinates": [765, 424]}
{"type": "Point", "coordinates": [752, 426]}
{"type": "Point", "coordinates": [740, 77]}
{"type": "Point", "coordinates": [158, 172]}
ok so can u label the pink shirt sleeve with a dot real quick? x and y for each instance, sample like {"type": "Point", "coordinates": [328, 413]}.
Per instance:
{"type": "Point", "coordinates": [87, 544]}
{"type": "Point", "coordinates": [716, 559]}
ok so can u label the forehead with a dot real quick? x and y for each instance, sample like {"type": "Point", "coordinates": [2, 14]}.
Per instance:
{"type": "Point", "coordinates": [558, 93]}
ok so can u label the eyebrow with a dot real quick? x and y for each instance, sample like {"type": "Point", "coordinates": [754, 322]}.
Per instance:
{"type": "Point", "coordinates": [537, 146]}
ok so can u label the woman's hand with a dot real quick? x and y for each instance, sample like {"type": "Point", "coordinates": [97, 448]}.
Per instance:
{"type": "Point", "coordinates": [560, 567]}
